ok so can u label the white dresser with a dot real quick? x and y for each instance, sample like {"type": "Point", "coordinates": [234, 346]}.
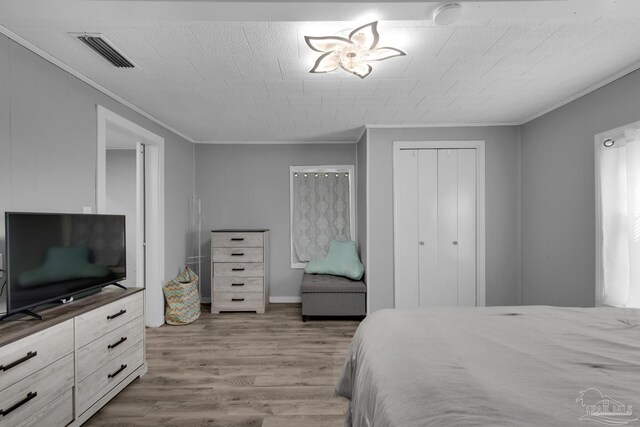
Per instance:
{"type": "Point", "coordinates": [63, 369]}
{"type": "Point", "coordinates": [239, 270]}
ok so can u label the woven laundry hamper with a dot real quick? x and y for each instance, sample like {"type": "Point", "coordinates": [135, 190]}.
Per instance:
{"type": "Point", "coordinates": [182, 298]}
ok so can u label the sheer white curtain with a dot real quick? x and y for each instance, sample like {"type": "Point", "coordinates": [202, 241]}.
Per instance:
{"type": "Point", "coordinates": [620, 213]}
{"type": "Point", "coordinates": [320, 212]}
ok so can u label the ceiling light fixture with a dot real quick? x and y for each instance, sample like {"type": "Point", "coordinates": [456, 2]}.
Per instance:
{"type": "Point", "coordinates": [448, 13]}
{"type": "Point", "coordinates": [352, 54]}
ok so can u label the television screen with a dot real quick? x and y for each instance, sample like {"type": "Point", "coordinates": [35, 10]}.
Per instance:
{"type": "Point", "coordinates": [56, 256]}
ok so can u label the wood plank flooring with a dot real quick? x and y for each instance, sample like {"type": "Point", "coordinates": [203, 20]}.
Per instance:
{"type": "Point", "coordinates": [238, 369]}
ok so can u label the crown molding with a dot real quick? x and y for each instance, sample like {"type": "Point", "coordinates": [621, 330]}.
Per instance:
{"type": "Point", "coordinates": [441, 125]}
{"type": "Point", "coordinates": [271, 142]}
{"type": "Point", "coordinates": [362, 132]}
{"type": "Point", "coordinates": [33, 48]}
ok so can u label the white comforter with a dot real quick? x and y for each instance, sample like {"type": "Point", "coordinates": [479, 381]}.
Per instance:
{"type": "Point", "coordinates": [515, 366]}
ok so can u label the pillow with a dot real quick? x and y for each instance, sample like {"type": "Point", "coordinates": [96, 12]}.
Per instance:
{"type": "Point", "coordinates": [341, 260]}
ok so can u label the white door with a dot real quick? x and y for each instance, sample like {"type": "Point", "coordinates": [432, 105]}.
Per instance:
{"type": "Point", "coordinates": [436, 213]}
{"type": "Point", "coordinates": [407, 217]}
{"type": "Point", "coordinates": [140, 215]}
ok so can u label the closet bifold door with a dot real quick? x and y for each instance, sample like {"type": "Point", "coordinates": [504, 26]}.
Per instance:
{"type": "Point", "coordinates": [436, 214]}
{"type": "Point", "coordinates": [430, 294]}
{"type": "Point", "coordinates": [407, 216]}
{"type": "Point", "coordinates": [446, 281]}
{"type": "Point", "coordinates": [452, 283]}
{"type": "Point", "coordinates": [467, 218]}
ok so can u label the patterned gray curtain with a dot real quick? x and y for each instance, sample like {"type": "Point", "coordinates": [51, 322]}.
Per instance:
{"type": "Point", "coordinates": [320, 213]}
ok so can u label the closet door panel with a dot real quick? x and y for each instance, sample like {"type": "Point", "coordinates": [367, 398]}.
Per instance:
{"type": "Point", "coordinates": [428, 226]}
{"type": "Point", "coordinates": [446, 286]}
{"type": "Point", "coordinates": [407, 231]}
{"type": "Point", "coordinates": [467, 193]}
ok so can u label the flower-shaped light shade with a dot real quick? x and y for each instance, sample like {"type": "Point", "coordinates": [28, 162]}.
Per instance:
{"type": "Point", "coordinates": [352, 54]}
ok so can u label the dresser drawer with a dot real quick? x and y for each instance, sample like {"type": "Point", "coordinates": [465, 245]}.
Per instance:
{"type": "Point", "coordinates": [57, 413]}
{"type": "Point", "coordinates": [238, 269]}
{"type": "Point", "coordinates": [238, 301]}
{"type": "Point", "coordinates": [96, 323]}
{"type": "Point", "coordinates": [237, 254]}
{"type": "Point", "coordinates": [28, 396]}
{"type": "Point", "coordinates": [237, 240]}
{"type": "Point", "coordinates": [96, 385]}
{"type": "Point", "coordinates": [28, 355]}
{"type": "Point", "coordinates": [108, 347]}
{"type": "Point", "coordinates": [238, 284]}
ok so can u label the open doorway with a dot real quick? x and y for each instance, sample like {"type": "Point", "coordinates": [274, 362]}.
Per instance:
{"type": "Point", "coordinates": [130, 181]}
{"type": "Point", "coordinates": [125, 195]}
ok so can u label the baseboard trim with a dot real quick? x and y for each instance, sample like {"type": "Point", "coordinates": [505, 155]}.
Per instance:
{"type": "Point", "coordinates": [285, 300]}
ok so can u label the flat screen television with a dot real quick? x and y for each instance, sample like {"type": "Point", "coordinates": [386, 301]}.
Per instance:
{"type": "Point", "coordinates": [52, 256]}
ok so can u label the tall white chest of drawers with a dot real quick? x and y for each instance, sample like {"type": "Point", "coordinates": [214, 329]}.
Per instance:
{"type": "Point", "coordinates": [239, 270]}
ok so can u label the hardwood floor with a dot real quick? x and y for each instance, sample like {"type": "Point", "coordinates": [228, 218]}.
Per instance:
{"type": "Point", "coordinates": [238, 369]}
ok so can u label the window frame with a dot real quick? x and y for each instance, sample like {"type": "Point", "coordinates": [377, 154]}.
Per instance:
{"type": "Point", "coordinates": [350, 169]}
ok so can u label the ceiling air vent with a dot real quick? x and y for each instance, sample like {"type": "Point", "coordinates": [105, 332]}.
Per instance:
{"type": "Point", "coordinates": [104, 49]}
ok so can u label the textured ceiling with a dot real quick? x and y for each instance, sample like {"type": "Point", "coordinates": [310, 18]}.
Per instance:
{"type": "Point", "coordinates": [248, 81]}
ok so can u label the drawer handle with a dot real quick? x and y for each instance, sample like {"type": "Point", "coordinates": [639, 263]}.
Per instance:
{"type": "Point", "coordinates": [115, 344]}
{"type": "Point", "coordinates": [237, 284]}
{"type": "Point", "coordinates": [237, 239]}
{"type": "Point", "coordinates": [237, 299]}
{"type": "Point", "coordinates": [29, 355]}
{"type": "Point", "coordinates": [113, 316]}
{"type": "Point", "coordinates": [237, 269]}
{"type": "Point", "coordinates": [9, 410]}
{"type": "Point", "coordinates": [122, 368]}
{"type": "Point", "coordinates": [238, 254]}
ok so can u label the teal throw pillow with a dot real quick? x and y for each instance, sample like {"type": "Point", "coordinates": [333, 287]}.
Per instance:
{"type": "Point", "coordinates": [341, 260]}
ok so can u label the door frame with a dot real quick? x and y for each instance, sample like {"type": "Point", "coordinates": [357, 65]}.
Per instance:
{"type": "Point", "coordinates": [154, 215]}
{"type": "Point", "coordinates": [479, 146]}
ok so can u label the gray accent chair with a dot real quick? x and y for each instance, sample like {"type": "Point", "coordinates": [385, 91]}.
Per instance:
{"type": "Point", "coordinates": [326, 295]}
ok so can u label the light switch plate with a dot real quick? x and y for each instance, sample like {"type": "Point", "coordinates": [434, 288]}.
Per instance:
{"type": "Point", "coordinates": [86, 209]}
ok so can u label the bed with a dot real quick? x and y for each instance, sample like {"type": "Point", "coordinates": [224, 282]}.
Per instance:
{"type": "Point", "coordinates": [531, 365]}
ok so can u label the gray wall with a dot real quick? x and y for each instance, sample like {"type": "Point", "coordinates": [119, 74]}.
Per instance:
{"type": "Point", "coordinates": [48, 146]}
{"type": "Point", "coordinates": [361, 188]}
{"type": "Point", "coordinates": [502, 222]}
{"type": "Point", "coordinates": [558, 193]}
{"type": "Point", "coordinates": [247, 186]}
{"type": "Point", "coordinates": [121, 200]}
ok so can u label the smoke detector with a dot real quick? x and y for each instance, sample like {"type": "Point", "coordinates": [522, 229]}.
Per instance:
{"type": "Point", "coordinates": [448, 13]}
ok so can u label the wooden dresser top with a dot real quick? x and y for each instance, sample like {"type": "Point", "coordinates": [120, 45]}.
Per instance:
{"type": "Point", "coordinates": [20, 326]}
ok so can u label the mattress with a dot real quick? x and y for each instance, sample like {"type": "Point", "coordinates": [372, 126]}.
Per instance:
{"type": "Point", "coordinates": [499, 366]}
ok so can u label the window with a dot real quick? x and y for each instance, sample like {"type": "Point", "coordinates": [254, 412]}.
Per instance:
{"type": "Point", "coordinates": [322, 202]}
{"type": "Point", "coordinates": [618, 217]}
